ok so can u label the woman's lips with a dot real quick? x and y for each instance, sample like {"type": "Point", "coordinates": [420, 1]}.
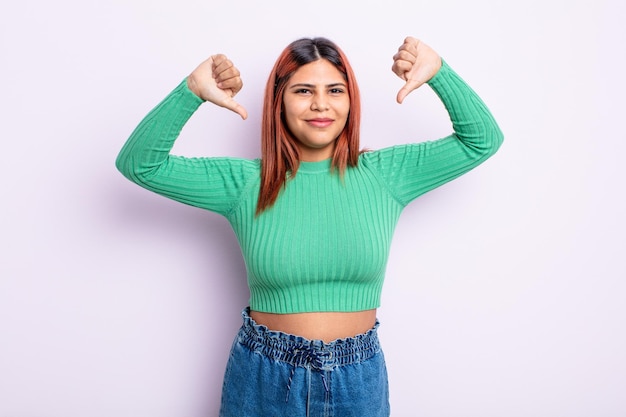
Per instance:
{"type": "Point", "coordinates": [320, 122]}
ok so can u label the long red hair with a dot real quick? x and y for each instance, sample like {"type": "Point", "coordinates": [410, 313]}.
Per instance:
{"type": "Point", "coordinates": [279, 151]}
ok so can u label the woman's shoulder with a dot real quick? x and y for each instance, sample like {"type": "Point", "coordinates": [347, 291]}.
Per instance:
{"type": "Point", "coordinates": [234, 162]}
{"type": "Point", "coordinates": [235, 168]}
{"type": "Point", "coordinates": [383, 154]}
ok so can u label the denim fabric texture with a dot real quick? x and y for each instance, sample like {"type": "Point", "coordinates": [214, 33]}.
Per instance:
{"type": "Point", "coordinates": [275, 374]}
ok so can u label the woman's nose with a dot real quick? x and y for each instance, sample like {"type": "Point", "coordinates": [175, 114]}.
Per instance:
{"type": "Point", "coordinates": [319, 103]}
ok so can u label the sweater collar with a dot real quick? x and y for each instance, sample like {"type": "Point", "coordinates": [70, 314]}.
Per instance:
{"type": "Point", "coordinates": [315, 167]}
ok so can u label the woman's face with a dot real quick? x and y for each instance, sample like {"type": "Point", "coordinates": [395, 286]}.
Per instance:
{"type": "Point", "coordinates": [316, 105]}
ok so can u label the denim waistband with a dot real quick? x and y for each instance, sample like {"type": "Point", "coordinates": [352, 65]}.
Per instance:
{"type": "Point", "coordinates": [299, 351]}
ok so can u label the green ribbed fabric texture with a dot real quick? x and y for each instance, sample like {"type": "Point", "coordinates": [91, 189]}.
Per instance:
{"type": "Point", "coordinates": [324, 245]}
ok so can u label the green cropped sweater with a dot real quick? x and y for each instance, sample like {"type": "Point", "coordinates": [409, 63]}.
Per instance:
{"type": "Point", "coordinates": [324, 244]}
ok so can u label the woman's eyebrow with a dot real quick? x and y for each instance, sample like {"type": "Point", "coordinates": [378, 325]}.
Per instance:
{"type": "Point", "coordinates": [307, 85]}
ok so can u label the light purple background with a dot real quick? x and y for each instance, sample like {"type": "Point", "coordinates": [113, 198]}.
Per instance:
{"type": "Point", "coordinates": [505, 289]}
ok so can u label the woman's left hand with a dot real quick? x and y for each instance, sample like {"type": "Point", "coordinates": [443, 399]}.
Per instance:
{"type": "Point", "coordinates": [416, 63]}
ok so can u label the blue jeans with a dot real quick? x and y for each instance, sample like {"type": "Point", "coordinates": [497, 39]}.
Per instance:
{"type": "Point", "coordinates": [275, 374]}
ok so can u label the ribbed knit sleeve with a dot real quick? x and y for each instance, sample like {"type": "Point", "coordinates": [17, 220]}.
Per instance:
{"type": "Point", "coordinates": [412, 170]}
{"type": "Point", "coordinates": [214, 184]}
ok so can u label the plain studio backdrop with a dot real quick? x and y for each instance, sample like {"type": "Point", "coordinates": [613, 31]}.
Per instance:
{"type": "Point", "coordinates": [505, 288]}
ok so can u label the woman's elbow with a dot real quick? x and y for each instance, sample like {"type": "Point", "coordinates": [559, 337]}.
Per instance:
{"type": "Point", "coordinates": [121, 164]}
{"type": "Point", "coordinates": [125, 167]}
{"type": "Point", "coordinates": [497, 137]}
{"type": "Point", "coordinates": [492, 138]}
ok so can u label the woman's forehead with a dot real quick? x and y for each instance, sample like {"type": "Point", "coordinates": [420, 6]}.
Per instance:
{"type": "Point", "coordinates": [320, 72]}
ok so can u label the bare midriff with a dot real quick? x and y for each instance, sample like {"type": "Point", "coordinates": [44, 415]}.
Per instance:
{"type": "Point", "coordinates": [326, 326]}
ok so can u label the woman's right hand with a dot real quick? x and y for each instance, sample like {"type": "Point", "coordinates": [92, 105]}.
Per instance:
{"type": "Point", "coordinates": [217, 80]}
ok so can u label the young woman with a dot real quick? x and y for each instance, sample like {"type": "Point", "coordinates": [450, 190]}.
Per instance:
{"type": "Point", "coordinates": [314, 217]}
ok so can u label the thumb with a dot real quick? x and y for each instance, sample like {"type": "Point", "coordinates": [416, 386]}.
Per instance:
{"type": "Point", "coordinates": [407, 88]}
{"type": "Point", "coordinates": [237, 108]}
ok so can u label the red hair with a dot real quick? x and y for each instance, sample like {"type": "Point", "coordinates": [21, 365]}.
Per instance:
{"type": "Point", "coordinates": [279, 151]}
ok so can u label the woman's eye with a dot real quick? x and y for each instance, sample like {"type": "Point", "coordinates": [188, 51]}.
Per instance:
{"type": "Point", "coordinates": [336, 91]}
